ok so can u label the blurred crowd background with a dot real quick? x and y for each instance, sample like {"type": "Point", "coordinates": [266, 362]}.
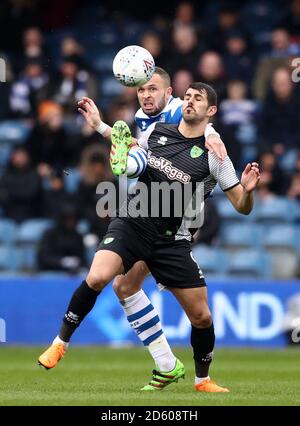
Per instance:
{"type": "Point", "coordinates": [58, 51]}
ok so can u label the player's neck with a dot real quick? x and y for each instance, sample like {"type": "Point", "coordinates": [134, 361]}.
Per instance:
{"type": "Point", "coordinates": [192, 130]}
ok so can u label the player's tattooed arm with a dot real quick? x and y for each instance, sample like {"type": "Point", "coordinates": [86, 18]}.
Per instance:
{"type": "Point", "coordinates": [214, 143]}
{"type": "Point", "coordinates": [90, 111]}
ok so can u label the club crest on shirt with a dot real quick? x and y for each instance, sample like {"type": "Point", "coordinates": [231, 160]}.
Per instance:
{"type": "Point", "coordinates": [196, 151]}
{"type": "Point", "coordinates": [108, 240]}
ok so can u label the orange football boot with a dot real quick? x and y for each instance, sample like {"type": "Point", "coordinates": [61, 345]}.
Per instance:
{"type": "Point", "coordinates": [52, 356]}
{"type": "Point", "coordinates": [209, 385]}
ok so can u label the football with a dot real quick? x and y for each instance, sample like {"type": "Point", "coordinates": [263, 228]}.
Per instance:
{"type": "Point", "coordinates": [133, 66]}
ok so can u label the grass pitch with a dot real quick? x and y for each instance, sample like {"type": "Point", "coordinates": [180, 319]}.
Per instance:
{"type": "Point", "coordinates": [112, 377]}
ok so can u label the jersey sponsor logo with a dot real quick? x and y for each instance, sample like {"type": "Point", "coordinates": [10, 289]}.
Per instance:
{"type": "Point", "coordinates": [196, 151]}
{"type": "Point", "coordinates": [108, 240]}
{"type": "Point", "coordinates": [167, 168]}
{"type": "Point", "coordinates": [162, 140]}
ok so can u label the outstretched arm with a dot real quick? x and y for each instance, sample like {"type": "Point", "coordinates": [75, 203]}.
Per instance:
{"type": "Point", "coordinates": [241, 196]}
{"type": "Point", "coordinates": [88, 108]}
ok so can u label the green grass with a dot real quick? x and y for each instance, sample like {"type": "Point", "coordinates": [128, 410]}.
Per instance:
{"type": "Point", "coordinates": [107, 377]}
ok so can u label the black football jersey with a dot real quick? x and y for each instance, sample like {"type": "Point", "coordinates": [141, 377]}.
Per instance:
{"type": "Point", "coordinates": [174, 158]}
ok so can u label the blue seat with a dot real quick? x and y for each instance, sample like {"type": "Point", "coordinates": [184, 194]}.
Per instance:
{"type": "Point", "coordinates": [241, 235]}
{"type": "Point", "coordinates": [228, 212]}
{"type": "Point", "coordinates": [72, 180]}
{"type": "Point", "coordinates": [276, 209]}
{"type": "Point", "coordinates": [282, 236]}
{"type": "Point", "coordinates": [250, 263]}
{"type": "Point", "coordinates": [13, 131]}
{"type": "Point", "coordinates": [8, 231]}
{"type": "Point", "coordinates": [5, 150]}
{"type": "Point", "coordinates": [32, 230]}
{"type": "Point", "coordinates": [109, 86]}
{"type": "Point", "coordinates": [9, 260]}
{"type": "Point", "coordinates": [210, 259]}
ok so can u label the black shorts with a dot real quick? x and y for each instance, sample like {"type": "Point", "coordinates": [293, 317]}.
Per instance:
{"type": "Point", "coordinates": [170, 262]}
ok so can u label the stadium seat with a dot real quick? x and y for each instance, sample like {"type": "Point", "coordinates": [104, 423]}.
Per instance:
{"type": "Point", "coordinates": [8, 231]}
{"type": "Point", "coordinates": [32, 230]}
{"type": "Point", "coordinates": [13, 131]}
{"type": "Point", "coordinates": [109, 86]}
{"type": "Point", "coordinates": [241, 235]}
{"type": "Point", "coordinates": [5, 150]}
{"type": "Point", "coordinates": [9, 260]}
{"type": "Point", "coordinates": [228, 213]}
{"type": "Point", "coordinates": [276, 209]}
{"type": "Point", "coordinates": [210, 259]}
{"type": "Point", "coordinates": [72, 180]}
{"type": "Point", "coordinates": [251, 262]}
{"type": "Point", "coordinates": [282, 236]}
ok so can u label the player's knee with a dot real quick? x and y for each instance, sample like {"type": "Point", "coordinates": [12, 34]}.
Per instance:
{"type": "Point", "coordinates": [97, 281]}
{"type": "Point", "coordinates": [202, 319]}
{"type": "Point", "coordinates": [122, 288]}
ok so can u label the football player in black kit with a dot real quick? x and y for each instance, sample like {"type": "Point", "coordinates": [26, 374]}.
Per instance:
{"type": "Point", "coordinates": [164, 243]}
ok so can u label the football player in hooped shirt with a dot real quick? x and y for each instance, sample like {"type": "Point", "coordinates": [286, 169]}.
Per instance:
{"type": "Point", "coordinates": [157, 105]}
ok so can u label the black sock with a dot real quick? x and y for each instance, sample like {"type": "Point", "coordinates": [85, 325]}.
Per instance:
{"type": "Point", "coordinates": [82, 302]}
{"type": "Point", "coordinates": [203, 342]}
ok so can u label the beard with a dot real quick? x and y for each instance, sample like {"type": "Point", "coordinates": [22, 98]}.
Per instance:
{"type": "Point", "coordinates": [156, 108]}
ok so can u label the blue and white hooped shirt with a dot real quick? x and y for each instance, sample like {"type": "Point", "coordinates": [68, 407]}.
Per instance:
{"type": "Point", "coordinates": [171, 114]}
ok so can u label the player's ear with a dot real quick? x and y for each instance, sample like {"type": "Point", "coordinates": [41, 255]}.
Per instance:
{"type": "Point", "coordinates": [212, 110]}
{"type": "Point", "coordinates": [169, 91]}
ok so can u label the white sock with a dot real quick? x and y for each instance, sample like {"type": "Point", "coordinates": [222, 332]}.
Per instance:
{"type": "Point", "coordinates": [58, 340]}
{"type": "Point", "coordinates": [199, 380]}
{"type": "Point", "coordinates": [162, 354]}
{"type": "Point", "coordinates": [144, 320]}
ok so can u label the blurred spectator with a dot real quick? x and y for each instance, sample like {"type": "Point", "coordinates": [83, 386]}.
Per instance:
{"type": "Point", "coordinates": [237, 109]}
{"type": "Point", "coordinates": [184, 14]}
{"type": "Point", "coordinates": [292, 21]}
{"type": "Point", "coordinates": [47, 140]}
{"type": "Point", "coordinates": [294, 189]}
{"type": "Point", "coordinates": [34, 48]}
{"type": "Point", "coordinates": [54, 196]}
{"type": "Point", "coordinates": [282, 46]}
{"type": "Point", "coordinates": [228, 21]}
{"type": "Point", "coordinates": [238, 62]}
{"type": "Point", "coordinates": [72, 84]}
{"type": "Point", "coordinates": [181, 81]}
{"type": "Point", "coordinates": [280, 117]}
{"type": "Point", "coordinates": [151, 41]}
{"type": "Point", "coordinates": [62, 248]}
{"type": "Point", "coordinates": [211, 71]}
{"type": "Point", "coordinates": [209, 232]}
{"type": "Point", "coordinates": [121, 110]}
{"type": "Point", "coordinates": [187, 49]}
{"type": "Point", "coordinates": [94, 169]}
{"type": "Point", "coordinates": [30, 89]}
{"type": "Point", "coordinates": [281, 52]}
{"type": "Point", "coordinates": [20, 187]}
{"type": "Point", "coordinates": [272, 181]}
{"type": "Point", "coordinates": [15, 16]}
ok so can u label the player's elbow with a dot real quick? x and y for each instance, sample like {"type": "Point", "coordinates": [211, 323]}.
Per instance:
{"type": "Point", "coordinates": [245, 210]}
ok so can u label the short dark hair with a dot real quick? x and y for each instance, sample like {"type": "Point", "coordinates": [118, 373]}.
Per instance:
{"type": "Point", "coordinates": [212, 97]}
{"type": "Point", "coordinates": [164, 75]}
